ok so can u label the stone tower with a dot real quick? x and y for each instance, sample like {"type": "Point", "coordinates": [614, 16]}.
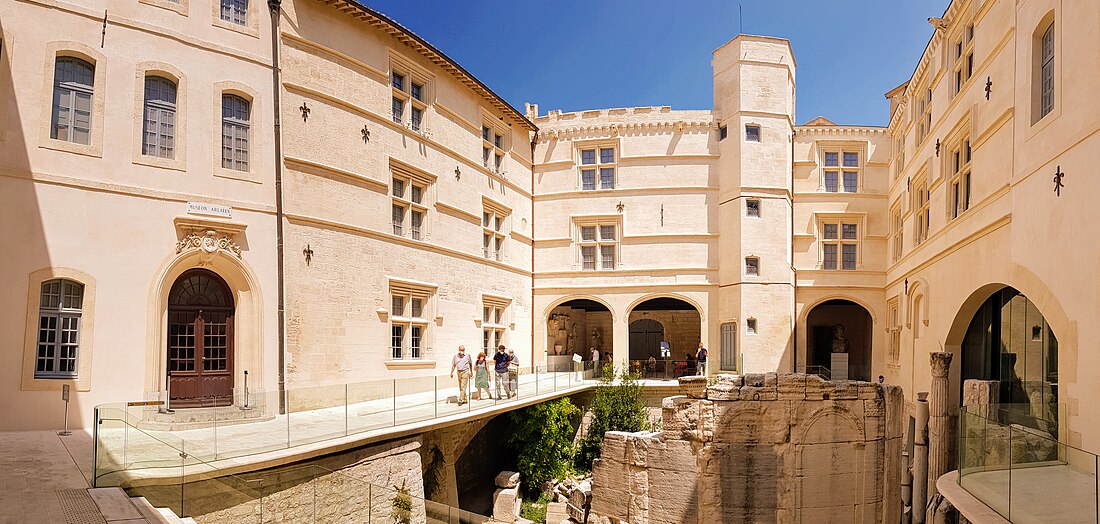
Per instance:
{"type": "Point", "coordinates": [754, 107]}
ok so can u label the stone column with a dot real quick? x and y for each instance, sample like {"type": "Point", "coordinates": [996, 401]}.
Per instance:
{"type": "Point", "coordinates": [920, 460]}
{"type": "Point", "coordinates": [939, 441]}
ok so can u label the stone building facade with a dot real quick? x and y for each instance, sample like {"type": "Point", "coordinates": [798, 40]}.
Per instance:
{"type": "Point", "coordinates": [420, 211]}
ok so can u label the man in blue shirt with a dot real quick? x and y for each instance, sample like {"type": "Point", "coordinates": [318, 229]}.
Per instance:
{"type": "Point", "coordinates": [701, 357]}
{"type": "Point", "coordinates": [501, 360]}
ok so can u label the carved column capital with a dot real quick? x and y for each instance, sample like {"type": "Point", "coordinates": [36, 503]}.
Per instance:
{"type": "Point", "coordinates": [941, 364]}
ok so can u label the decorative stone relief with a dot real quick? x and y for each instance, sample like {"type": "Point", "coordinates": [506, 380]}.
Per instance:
{"type": "Point", "coordinates": [208, 242]}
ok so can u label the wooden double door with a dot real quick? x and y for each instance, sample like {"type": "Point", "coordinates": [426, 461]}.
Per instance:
{"type": "Point", "coordinates": [200, 341]}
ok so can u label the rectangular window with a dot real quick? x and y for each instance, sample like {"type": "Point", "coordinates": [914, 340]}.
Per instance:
{"type": "Point", "coordinates": [963, 59]}
{"type": "Point", "coordinates": [752, 133]}
{"type": "Point", "coordinates": [484, 133]}
{"type": "Point", "coordinates": [752, 207]}
{"type": "Point", "coordinates": [398, 220]}
{"type": "Point", "coordinates": [397, 340]}
{"type": "Point", "coordinates": [398, 81]}
{"type": "Point", "coordinates": [415, 119]}
{"type": "Point", "coordinates": [898, 226]}
{"type": "Point", "coordinates": [752, 266]}
{"type": "Point", "coordinates": [921, 214]}
{"type": "Point", "coordinates": [417, 91]}
{"type": "Point", "coordinates": [958, 196]}
{"type": "Point", "coordinates": [839, 245]}
{"type": "Point", "coordinates": [398, 188]}
{"type": "Point", "coordinates": [850, 181]}
{"type": "Point", "coordinates": [236, 117]}
{"type": "Point", "coordinates": [408, 194]}
{"type": "Point", "coordinates": [605, 167]}
{"type": "Point", "coordinates": [414, 341]}
{"type": "Point", "coordinates": [235, 11]}
{"type": "Point", "coordinates": [894, 328]}
{"type": "Point", "coordinates": [492, 149]}
{"type": "Point", "coordinates": [722, 133]}
{"type": "Point", "coordinates": [493, 232]}
{"type": "Point", "coordinates": [830, 181]}
{"type": "Point", "coordinates": [59, 315]}
{"type": "Point", "coordinates": [159, 126]}
{"type": "Point", "coordinates": [598, 239]}
{"type": "Point", "coordinates": [924, 115]}
{"type": "Point", "coordinates": [408, 322]}
{"type": "Point", "coordinates": [1046, 98]}
{"type": "Point", "coordinates": [750, 326]}
{"type": "Point", "coordinates": [416, 218]}
{"type": "Point", "coordinates": [842, 171]}
{"type": "Point", "coordinates": [398, 110]}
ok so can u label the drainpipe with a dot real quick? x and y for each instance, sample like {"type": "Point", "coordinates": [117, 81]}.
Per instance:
{"type": "Point", "coordinates": [794, 274]}
{"type": "Point", "coordinates": [274, 6]}
{"type": "Point", "coordinates": [534, 140]}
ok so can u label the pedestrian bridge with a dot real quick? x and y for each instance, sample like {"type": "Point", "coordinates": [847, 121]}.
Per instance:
{"type": "Point", "coordinates": [143, 440]}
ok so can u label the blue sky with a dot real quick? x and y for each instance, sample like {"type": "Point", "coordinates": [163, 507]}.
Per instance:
{"type": "Point", "coordinates": [574, 55]}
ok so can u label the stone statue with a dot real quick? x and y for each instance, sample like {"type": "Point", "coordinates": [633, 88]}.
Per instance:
{"type": "Point", "coordinates": [840, 343]}
{"type": "Point", "coordinates": [572, 344]}
{"type": "Point", "coordinates": [597, 339]}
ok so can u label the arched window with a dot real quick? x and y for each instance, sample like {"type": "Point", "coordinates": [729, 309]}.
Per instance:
{"type": "Point", "coordinates": [235, 121]}
{"type": "Point", "coordinates": [59, 329]}
{"type": "Point", "coordinates": [73, 81]}
{"type": "Point", "coordinates": [159, 131]}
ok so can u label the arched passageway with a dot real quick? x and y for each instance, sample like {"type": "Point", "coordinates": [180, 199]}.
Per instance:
{"type": "Point", "coordinates": [1008, 341]}
{"type": "Point", "coordinates": [840, 326]}
{"type": "Point", "coordinates": [667, 329]}
{"type": "Point", "coordinates": [577, 326]}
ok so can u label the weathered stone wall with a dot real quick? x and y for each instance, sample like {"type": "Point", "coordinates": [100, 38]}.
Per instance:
{"type": "Point", "coordinates": [361, 490]}
{"type": "Point", "coordinates": [760, 448]}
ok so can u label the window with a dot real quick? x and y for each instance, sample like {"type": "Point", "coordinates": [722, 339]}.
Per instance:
{"type": "Point", "coordinates": [408, 323]}
{"type": "Point", "coordinates": [963, 59]}
{"type": "Point", "coordinates": [159, 128]}
{"type": "Point", "coordinates": [897, 222]}
{"type": "Point", "coordinates": [408, 202]}
{"type": "Point", "coordinates": [73, 80]}
{"type": "Point", "coordinates": [842, 171]}
{"type": "Point", "coordinates": [752, 133]}
{"type": "Point", "coordinates": [958, 196]}
{"type": "Point", "coordinates": [605, 167]}
{"type": "Point", "coordinates": [493, 232]}
{"type": "Point", "coordinates": [894, 329]}
{"type": "Point", "coordinates": [752, 266]}
{"type": "Point", "coordinates": [722, 133]}
{"type": "Point", "coordinates": [235, 11]}
{"type": "Point", "coordinates": [236, 113]}
{"type": "Point", "coordinates": [750, 326]}
{"type": "Point", "coordinates": [408, 90]}
{"type": "Point", "coordinates": [899, 155]}
{"type": "Point", "coordinates": [924, 116]}
{"type": "Point", "coordinates": [1046, 72]}
{"type": "Point", "coordinates": [492, 148]}
{"type": "Point", "coordinates": [920, 208]}
{"type": "Point", "coordinates": [493, 323]}
{"type": "Point", "coordinates": [839, 244]}
{"type": "Point", "coordinates": [599, 245]}
{"type": "Point", "coordinates": [752, 207]}
{"type": "Point", "coordinates": [59, 315]}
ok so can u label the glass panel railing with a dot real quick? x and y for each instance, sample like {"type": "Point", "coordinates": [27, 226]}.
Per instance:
{"type": "Point", "coordinates": [1009, 459]}
{"type": "Point", "coordinates": [139, 434]}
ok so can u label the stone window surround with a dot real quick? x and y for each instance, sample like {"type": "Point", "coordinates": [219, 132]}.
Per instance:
{"type": "Point", "coordinates": [759, 132]}
{"type": "Point", "coordinates": [749, 209]}
{"type": "Point", "coordinates": [489, 144]}
{"type": "Point", "coordinates": [752, 261]}
{"type": "Point", "coordinates": [491, 211]}
{"type": "Point", "coordinates": [959, 54]}
{"type": "Point", "coordinates": [893, 317]}
{"type": "Point", "coordinates": [496, 318]}
{"type": "Point", "coordinates": [59, 49]}
{"type": "Point", "coordinates": [255, 122]}
{"type": "Point", "coordinates": [920, 196]}
{"type": "Point", "coordinates": [596, 221]}
{"type": "Point", "coordinates": [411, 176]}
{"type": "Point", "coordinates": [251, 26]}
{"type": "Point", "coordinates": [897, 231]}
{"type": "Point", "coordinates": [860, 221]}
{"type": "Point", "coordinates": [83, 379]}
{"type": "Point", "coordinates": [751, 327]}
{"type": "Point", "coordinates": [179, 162]}
{"type": "Point", "coordinates": [412, 73]}
{"type": "Point", "coordinates": [922, 113]}
{"type": "Point", "coordinates": [1049, 19]}
{"type": "Point", "coordinates": [959, 144]}
{"type": "Point", "coordinates": [860, 147]}
{"type": "Point", "coordinates": [411, 289]}
{"type": "Point", "coordinates": [580, 145]}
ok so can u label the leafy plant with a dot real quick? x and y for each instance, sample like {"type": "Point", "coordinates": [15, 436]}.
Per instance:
{"type": "Point", "coordinates": [535, 510]}
{"type": "Point", "coordinates": [402, 505]}
{"type": "Point", "coordinates": [616, 406]}
{"type": "Point", "coordinates": [543, 436]}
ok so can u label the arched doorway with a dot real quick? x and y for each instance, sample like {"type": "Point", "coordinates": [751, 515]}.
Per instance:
{"type": "Point", "coordinates": [646, 336]}
{"type": "Point", "coordinates": [577, 326]}
{"type": "Point", "coordinates": [1009, 341]}
{"type": "Point", "coordinates": [200, 340]}
{"type": "Point", "coordinates": [840, 326]}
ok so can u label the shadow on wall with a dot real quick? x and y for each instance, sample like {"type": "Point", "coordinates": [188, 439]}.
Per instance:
{"type": "Point", "coordinates": [23, 242]}
{"type": "Point", "coordinates": [476, 469]}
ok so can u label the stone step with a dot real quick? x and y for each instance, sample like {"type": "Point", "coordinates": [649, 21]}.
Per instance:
{"type": "Point", "coordinates": [151, 515]}
{"type": "Point", "coordinates": [170, 516]}
{"type": "Point", "coordinates": [114, 504]}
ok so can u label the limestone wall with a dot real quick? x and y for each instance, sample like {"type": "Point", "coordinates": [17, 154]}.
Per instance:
{"type": "Point", "coordinates": [760, 448]}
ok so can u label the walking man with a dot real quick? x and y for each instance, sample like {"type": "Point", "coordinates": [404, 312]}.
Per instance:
{"type": "Point", "coordinates": [701, 357]}
{"type": "Point", "coordinates": [461, 363]}
{"type": "Point", "coordinates": [500, 366]}
{"type": "Point", "coordinates": [513, 373]}
{"type": "Point", "coordinates": [596, 361]}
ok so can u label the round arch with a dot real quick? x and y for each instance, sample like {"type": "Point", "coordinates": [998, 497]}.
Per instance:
{"type": "Point", "coordinates": [651, 296]}
{"type": "Point", "coordinates": [839, 322]}
{"type": "Point", "coordinates": [247, 297]}
{"type": "Point", "coordinates": [562, 300]}
{"type": "Point", "coordinates": [805, 313]}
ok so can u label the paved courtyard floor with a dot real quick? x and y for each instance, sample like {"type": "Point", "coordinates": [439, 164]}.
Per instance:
{"type": "Point", "coordinates": [34, 467]}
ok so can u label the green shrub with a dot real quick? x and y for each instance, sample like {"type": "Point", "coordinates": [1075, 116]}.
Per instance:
{"type": "Point", "coordinates": [616, 406]}
{"type": "Point", "coordinates": [535, 510]}
{"type": "Point", "coordinates": [542, 435]}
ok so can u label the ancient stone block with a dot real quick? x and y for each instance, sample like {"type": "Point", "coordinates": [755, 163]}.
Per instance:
{"type": "Point", "coordinates": [723, 391]}
{"type": "Point", "coordinates": [979, 394]}
{"type": "Point", "coordinates": [507, 479]}
{"type": "Point", "coordinates": [754, 379]}
{"type": "Point", "coordinates": [845, 390]}
{"type": "Point", "coordinates": [732, 380]}
{"type": "Point", "coordinates": [693, 386]}
{"type": "Point", "coordinates": [759, 393]}
{"type": "Point", "coordinates": [506, 503]}
{"type": "Point", "coordinates": [791, 386]}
